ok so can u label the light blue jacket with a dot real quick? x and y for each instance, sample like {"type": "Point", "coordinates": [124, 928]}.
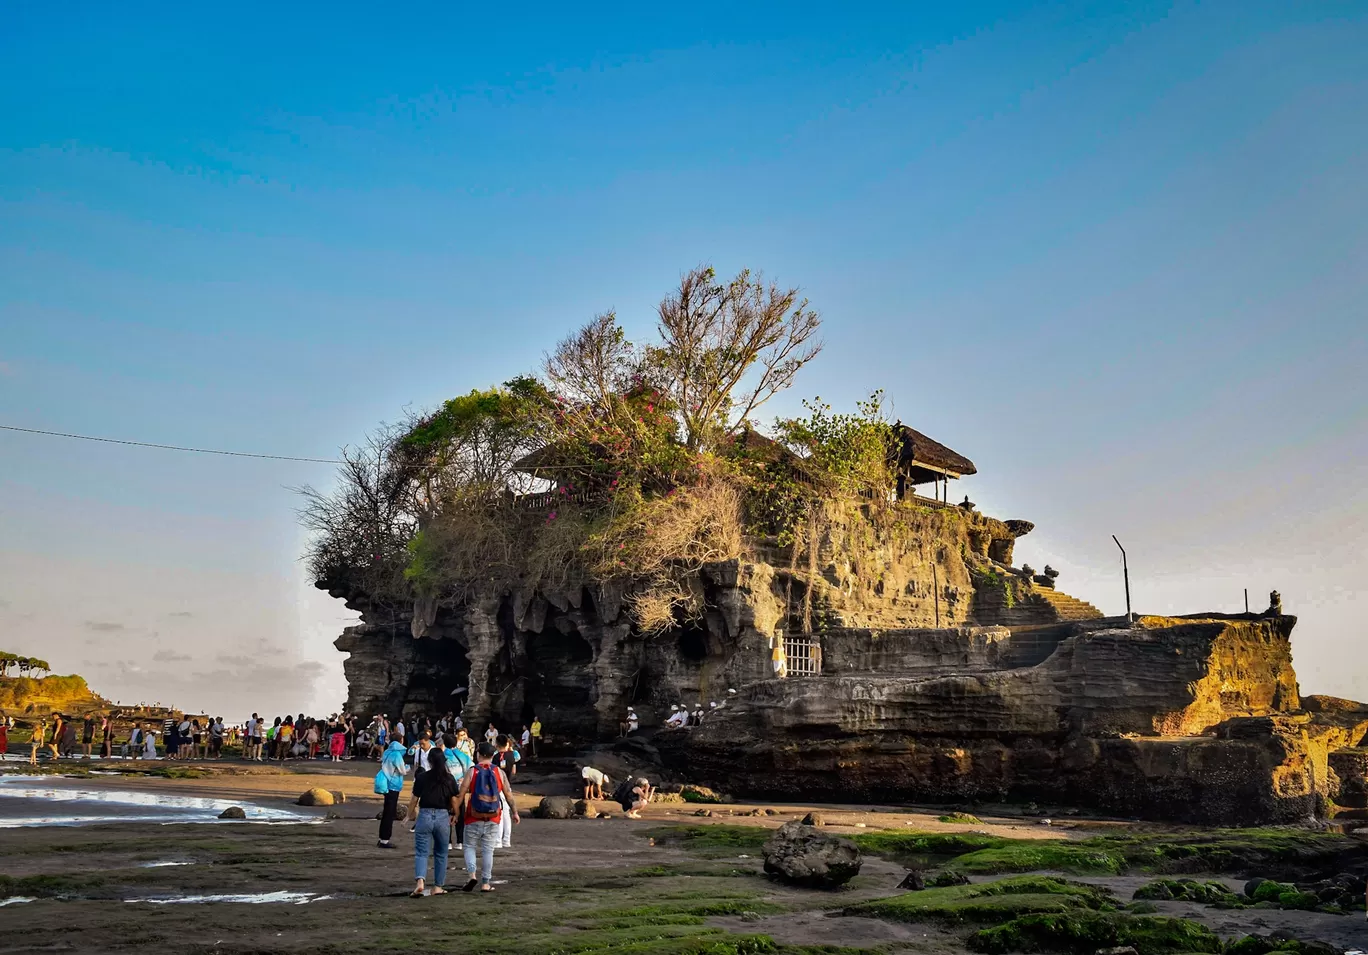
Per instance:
{"type": "Point", "coordinates": [392, 767]}
{"type": "Point", "coordinates": [458, 762]}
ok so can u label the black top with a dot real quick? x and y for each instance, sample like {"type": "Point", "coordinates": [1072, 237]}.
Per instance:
{"type": "Point", "coordinates": [434, 793]}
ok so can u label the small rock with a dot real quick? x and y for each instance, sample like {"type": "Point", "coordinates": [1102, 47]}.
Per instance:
{"type": "Point", "coordinates": [315, 797]}
{"type": "Point", "coordinates": [814, 819]}
{"type": "Point", "coordinates": [558, 807]}
{"type": "Point", "coordinates": [771, 812]}
{"type": "Point", "coordinates": [1252, 885]}
{"type": "Point", "coordinates": [799, 855]}
{"type": "Point", "coordinates": [1044, 822]}
{"type": "Point", "coordinates": [233, 812]}
{"type": "Point", "coordinates": [703, 812]}
{"type": "Point", "coordinates": [914, 881]}
{"type": "Point", "coordinates": [861, 825]}
{"type": "Point", "coordinates": [339, 797]}
{"type": "Point", "coordinates": [1118, 950]}
{"type": "Point", "coordinates": [750, 916]}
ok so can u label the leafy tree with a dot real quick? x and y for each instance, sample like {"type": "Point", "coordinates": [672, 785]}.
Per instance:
{"type": "Point", "coordinates": [855, 451]}
{"type": "Point", "coordinates": [727, 348]}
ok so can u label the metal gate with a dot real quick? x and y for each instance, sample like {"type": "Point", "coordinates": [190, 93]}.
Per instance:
{"type": "Point", "coordinates": [804, 655]}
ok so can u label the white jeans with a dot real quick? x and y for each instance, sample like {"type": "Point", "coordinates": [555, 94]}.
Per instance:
{"type": "Point", "coordinates": [505, 839]}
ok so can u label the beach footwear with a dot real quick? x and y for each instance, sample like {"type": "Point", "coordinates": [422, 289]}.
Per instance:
{"type": "Point", "coordinates": [416, 894]}
{"type": "Point", "coordinates": [470, 886]}
{"type": "Point", "coordinates": [486, 888]}
{"type": "Point", "coordinates": [384, 845]}
{"type": "Point", "coordinates": [438, 890]}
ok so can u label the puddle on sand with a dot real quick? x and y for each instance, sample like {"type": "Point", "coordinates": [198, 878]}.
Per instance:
{"type": "Point", "coordinates": [258, 898]}
{"type": "Point", "coordinates": [14, 900]}
{"type": "Point", "coordinates": [160, 865]}
{"type": "Point", "coordinates": [55, 801]}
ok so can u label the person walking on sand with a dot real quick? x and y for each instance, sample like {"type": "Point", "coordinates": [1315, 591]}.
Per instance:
{"type": "Point", "coordinates": [36, 741]}
{"type": "Point", "coordinates": [149, 744]}
{"type": "Point", "coordinates": [483, 792]}
{"type": "Point", "coordinates": [389, 782]}
{"type": "Point", "coordinates": [536, 732]}
{"type": "Point", "coordinates": [4, 735]}
{"type": "Point", "coordinates": [337, 741]}
{"type": "Point", "coordinates": [431, 808]}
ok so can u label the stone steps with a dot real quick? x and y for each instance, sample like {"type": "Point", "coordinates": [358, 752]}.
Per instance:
{"type": "Point", "coordinates": [1069, 608]}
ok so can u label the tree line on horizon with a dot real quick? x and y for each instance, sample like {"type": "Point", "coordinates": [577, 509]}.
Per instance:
{"type": "Point", "coordinates": [26, 666]}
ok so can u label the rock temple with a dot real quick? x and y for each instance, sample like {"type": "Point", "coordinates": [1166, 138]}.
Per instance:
{"type": "Point", "coordinates": [897, 660]}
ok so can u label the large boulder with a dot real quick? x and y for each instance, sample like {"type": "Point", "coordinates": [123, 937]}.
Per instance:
{"type": "Point", "coordinates": [315, 797]}
{"type": "Point", "coordinates": [803, 855]}
{"type": "Point", "coordinates": [558, 807]}
{"type": "Point", "coordinates": [233, 812]}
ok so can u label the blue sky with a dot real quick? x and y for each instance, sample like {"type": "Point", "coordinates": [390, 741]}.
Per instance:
{"type": "Point", "coordinates": [1115, 253]}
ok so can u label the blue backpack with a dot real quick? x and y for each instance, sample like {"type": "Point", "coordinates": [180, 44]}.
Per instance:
{"type": "Point", "coordinates": [484, 794]}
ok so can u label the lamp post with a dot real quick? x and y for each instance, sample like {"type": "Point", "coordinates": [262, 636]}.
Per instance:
{"type": "Point", "coordinates": [1125, 574]}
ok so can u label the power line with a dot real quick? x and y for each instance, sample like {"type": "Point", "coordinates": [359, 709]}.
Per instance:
{"type": "Point", "coordinates": [169, 447]}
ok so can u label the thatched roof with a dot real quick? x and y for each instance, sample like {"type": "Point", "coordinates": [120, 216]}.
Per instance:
{"type": "Point", "coordinates": [923, 459]}
{"type": "Point", "coordinates": [543, 459]}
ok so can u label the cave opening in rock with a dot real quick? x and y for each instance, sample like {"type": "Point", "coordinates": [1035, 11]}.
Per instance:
{"type": "Point", "coordinates": [440, 669]}
{"type": "Point", "coordinates": [693, 642]}
{"type": "Point", "coordinates": [559, 686]}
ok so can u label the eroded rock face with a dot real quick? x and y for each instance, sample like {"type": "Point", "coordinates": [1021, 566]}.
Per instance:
{"type": "Point", "coordinates": [806, 856]}
{"type": "Point", "coordinates": [1175, 718]}
{"type": "Point", "coordinates": [944, 675]}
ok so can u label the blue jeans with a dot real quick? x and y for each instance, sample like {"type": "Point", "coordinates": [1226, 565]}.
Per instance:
{"type": "Point", "coordinates": [431, 835]}
{"type": "Point", "coordinates": [481, 838]}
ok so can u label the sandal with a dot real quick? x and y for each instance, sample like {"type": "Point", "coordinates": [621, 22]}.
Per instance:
{"type": "Point", "coordinates": [416, 894]}
{"type": "Point", "coordinates": [438, 890]}
{"type": "Point", "coordinates": [486, 888]}
{"type": "Point", "coordinates": [470, 886]}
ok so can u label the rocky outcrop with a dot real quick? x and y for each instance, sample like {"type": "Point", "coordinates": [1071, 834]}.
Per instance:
{"type": "Point", "coordinates": [944, 674]}
{"type": "Point", "coordinates": [801, 855]}
{"type": "Point", "coordinates": [1196, 719]}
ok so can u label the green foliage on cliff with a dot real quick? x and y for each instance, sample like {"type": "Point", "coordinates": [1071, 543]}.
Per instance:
{"type": "Point", "coordinates": [18, 693]}
{"type": "Point", "coordinates": [619, 461]}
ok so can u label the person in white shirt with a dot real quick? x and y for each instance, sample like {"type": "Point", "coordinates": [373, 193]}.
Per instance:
{"type": "Point", "coordinates": [679, 717]}
{"type": "Point", "coordinates": [491, 734]}
{"type": "Point", "coordinates": [399, 730]}
{"type": "Point", "coordinates": [595, 782]}
{"type": "Point", "coordinates": [526, 737]}
{"type": "Point", "coordinates": [633, 721]}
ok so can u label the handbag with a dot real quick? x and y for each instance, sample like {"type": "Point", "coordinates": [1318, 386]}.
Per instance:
{"type": "Point", "coordinates": [381, 784]}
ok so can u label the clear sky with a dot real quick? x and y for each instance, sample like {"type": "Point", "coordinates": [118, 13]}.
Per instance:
{"type": "Point", "coordinates": [1114, 253]}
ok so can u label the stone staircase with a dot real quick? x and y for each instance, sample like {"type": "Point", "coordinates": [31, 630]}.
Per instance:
{"type": "Point", "coordinates": [1068, 608]}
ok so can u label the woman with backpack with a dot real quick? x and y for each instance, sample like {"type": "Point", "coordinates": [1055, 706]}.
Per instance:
{"type": "Point", "coordinates": [389, 782]}
{"type": "Point", "coordinates": [431, 808]}
{"type": "Point", "coordinates": [481, 790]}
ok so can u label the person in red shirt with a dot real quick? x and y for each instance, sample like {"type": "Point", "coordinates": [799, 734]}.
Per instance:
{"type": "Point", "coordinates": [481, 789]}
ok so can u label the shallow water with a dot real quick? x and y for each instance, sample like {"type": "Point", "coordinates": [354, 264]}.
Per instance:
{"type": "Point", "coordinates": [257, 898]}
{"type": "Point", "coordinates": [14, 900]}
{"type": "Point", "coordinates": [55, 801]}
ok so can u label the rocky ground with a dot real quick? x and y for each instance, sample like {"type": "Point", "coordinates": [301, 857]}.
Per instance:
{"type": "Point", "coordinates": [674, 883]}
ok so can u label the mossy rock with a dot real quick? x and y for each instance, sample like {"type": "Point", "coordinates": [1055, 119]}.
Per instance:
{"type": "Point", "coordinates": [963, 818]}
{"type": "Point", "coordinates": [1264, 945]}
{"type": "Point", "coordinates": [1189, 890]}
{"type": "Point", "coordinates": [1296, 899]}
{"type": "Point", "coordinates": [1085, 932]}
{"type": "Point", "coordinates": [986, 902]}
{"type": "Point", "coordinates": [1270, 891]}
